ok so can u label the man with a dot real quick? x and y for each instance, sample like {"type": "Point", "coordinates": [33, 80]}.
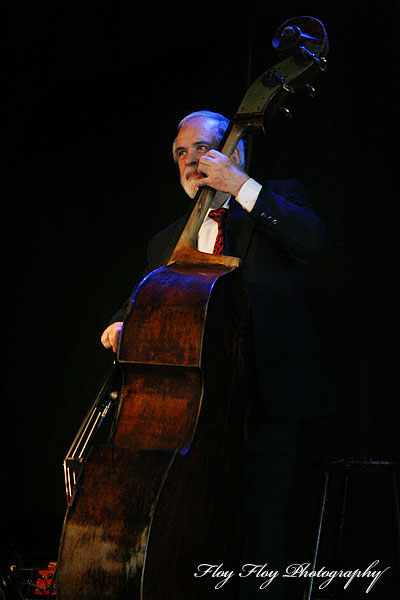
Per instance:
{"type": "Point", "coordinates": [273, 229]}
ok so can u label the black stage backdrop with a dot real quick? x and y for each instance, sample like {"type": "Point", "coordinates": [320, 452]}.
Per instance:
{"type": "Point", "coordinates": [93, 99]}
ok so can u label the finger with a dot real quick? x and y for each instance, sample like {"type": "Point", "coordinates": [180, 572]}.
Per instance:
{"type": "Point", "coordinates": [105, 339]}
{"type": "Point", "coordinates": [114, 339]}
{"type": "Point", "coordinates": [204, 181]}
{"type": "Point", "coordinates": [213, 153]}
{"type": "Point", "coordinates": [114, 345]}
{"type": "Point", "coordinates": [204, 164]}
{"type": "Point", "coordinates": [211, 157]}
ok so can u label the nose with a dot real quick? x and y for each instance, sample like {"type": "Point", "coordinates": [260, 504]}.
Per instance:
{"type": "Point", "coordinates": [192, 157]}
{"type": "Point", "coordinates": [189, 163]}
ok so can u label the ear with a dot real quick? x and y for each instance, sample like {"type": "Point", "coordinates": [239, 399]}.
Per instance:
{"type": "Point", "coordinates": [235, 156]}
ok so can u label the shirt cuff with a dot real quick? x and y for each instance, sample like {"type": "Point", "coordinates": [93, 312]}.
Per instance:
{"type": "Point", "coordinates": [248, 194]}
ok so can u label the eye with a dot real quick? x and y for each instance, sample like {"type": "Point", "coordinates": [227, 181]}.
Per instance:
{"type": "Point", "coordinates": [202, 148]}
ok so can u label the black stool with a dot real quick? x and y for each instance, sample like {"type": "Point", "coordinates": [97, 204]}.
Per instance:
{"type": "Point", "coordinates": [348, 465]}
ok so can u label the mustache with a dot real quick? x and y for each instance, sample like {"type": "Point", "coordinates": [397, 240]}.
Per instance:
{"type": "Point", "coordinates": [189, 171]}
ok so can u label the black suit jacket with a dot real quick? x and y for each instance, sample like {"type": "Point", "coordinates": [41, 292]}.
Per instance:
{"type": "Point", "coordinates": [280, 235]}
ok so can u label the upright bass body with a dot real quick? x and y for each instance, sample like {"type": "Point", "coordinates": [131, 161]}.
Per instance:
{"type": "Point", "coordinates": [163, 496]}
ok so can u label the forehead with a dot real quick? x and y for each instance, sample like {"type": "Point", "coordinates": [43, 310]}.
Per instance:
{"type": "Point", "coordinates": [199, 128]}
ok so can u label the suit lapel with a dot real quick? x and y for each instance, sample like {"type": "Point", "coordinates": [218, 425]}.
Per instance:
{"type": "Point", "coordinates": [239, 228]}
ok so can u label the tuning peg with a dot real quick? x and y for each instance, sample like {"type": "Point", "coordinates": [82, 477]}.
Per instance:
{"type": "Point", "coordinates": [304, 54]}
{"type": "Point", "coordinates": [288, 88]}
{"type": "Point", "coordinates": [286, 112]}
{"type": "Point", "coordinates": [311, 90]}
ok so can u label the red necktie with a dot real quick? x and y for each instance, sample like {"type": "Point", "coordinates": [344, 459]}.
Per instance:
{"type": "Point", "coordinates": [219, 215]}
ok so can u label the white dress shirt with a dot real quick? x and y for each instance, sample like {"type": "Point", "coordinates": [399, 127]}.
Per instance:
{"type": "Point", "coordinates": [247, 197]}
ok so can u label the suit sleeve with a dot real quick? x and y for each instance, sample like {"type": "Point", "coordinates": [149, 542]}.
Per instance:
{"type": "Point", "coordinates": [283, 212]}
{"type": "Point", "coordinates": [150, 266]}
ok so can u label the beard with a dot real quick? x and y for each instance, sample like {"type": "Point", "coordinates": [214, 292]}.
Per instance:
{"type": "Point", "coordinates": [189, 182]}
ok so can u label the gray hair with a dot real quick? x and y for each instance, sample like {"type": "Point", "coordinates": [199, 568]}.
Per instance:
{"type": "Point", "coordinates": [222, 125]}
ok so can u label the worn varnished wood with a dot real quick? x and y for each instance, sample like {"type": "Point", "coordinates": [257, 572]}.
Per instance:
{"type": "Point", "coordinates": [103, 545]}
{"type": "Point", "coordinates": [164, 495]}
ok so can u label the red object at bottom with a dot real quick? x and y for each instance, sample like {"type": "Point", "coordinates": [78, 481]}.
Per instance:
{"type": "Point", "coordinates": [45, 585]}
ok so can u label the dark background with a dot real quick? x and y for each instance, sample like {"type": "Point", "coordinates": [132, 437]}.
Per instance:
{"type": "Point", "coordinates": [93, 99]}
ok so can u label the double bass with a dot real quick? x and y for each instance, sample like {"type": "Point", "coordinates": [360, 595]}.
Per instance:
{"type": "Point", "coordinates": [161, 495]}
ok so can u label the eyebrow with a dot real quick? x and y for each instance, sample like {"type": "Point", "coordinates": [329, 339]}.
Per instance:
{"type": "Point", "coordinates": [198, 143]}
